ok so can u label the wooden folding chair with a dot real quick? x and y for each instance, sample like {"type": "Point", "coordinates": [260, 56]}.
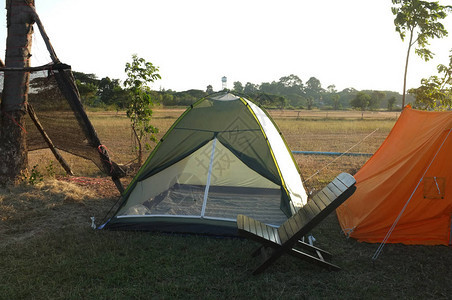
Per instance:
{"type": "Point", "coordinates": [277, 241]}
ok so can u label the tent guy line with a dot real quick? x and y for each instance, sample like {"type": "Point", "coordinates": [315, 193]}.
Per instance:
{"type": "Point", "coordinates": [340, 155]}
{"type": "Point", "coordinates": [332, 153]}
{"type": "Point", "coordinates": [403, 191]}
{"type": "Point", "coordinates": [383, 243]}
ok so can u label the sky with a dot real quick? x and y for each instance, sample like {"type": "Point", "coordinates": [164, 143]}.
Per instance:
{"type": "Point", "coordinates": [348, 43]}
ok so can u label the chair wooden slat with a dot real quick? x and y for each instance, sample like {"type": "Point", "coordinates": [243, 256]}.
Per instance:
{"type": "Point", "coordinates": [273, 235]}
{"type": "Point", "coordinates": [313, 205]}
{"type": "Point", "coordinates": [340, 185]}
{"type": "Point", "coordinates": [346, 179]}
{"type": "Point", "coordinates": [298, 220]}
{"type": "Point", "coordinates": [285, 238]}
{"type": "Point", "coordinates": [308, 211]}
{"type": "Point", "coordinates": [337, 192]}
{"type": "Point", "coordinates": [329, 196]}
{"type": "Point", "coordinates": [285, 232]}
{"type": "Point", "coordinates": [264, 230]}
{"type": "Point", "coordinates": [319, 201]}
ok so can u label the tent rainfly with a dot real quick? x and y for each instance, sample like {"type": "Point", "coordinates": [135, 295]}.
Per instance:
{"type": "Point", "coordinates": [404, 191]}
{"type": "Point", "coordinates": [223, 156]}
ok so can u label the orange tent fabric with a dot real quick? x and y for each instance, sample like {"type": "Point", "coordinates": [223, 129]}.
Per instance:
{"type": "Point", "coordinates": [414, 165]}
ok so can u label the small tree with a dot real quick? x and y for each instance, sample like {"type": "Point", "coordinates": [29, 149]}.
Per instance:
{"type": "Point", "coordinates": [250, 88]}
{"type": "Point", "coordinates": [139, 74]}
{"type": "Point", "coordinates": [375, 99]}
{"type": "Point", "coordinates": [361, 101]}
{"type": "Point", "coordinates": [436, 91]}
{"type": "Point", "coordinates": [335, 100]}
{"type": "Point", "coordinates": [281, 102]}
{"type": "Point", "coordinates": [391, 102]}
{"type": "Point", "coordinates": [111, 93]}
{"type": "Point", "coordinates": [420, 20]}
{"type": "Point", "coordinates": [334, 96]}
{"type": "Point", "coordinates": [313, 89]}
{"type": "Point", "coordinates": [238, 87]}
{"type": "Point", "coordinates": [309, 102]}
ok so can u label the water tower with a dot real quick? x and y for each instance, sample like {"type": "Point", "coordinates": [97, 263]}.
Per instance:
{"type": "Point", "coordinates": [224, 82]}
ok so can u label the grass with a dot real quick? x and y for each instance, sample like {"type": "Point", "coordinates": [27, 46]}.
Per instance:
{"type": "Point", "coordinates": [49, 251]}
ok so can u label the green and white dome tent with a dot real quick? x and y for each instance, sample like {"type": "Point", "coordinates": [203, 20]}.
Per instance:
{"type": "Point", "coordinates": [224, 156]}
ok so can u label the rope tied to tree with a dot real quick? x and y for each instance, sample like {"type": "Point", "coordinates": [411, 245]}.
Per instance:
{"type": "Point", "coordinates": [103, 150]}
{"type": "Point", "coordinates": [14, 121]}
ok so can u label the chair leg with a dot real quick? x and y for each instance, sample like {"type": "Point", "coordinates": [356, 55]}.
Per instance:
{"type": "Point", "coordinates": [267, 262]}
{"type": "Point", "coordinates": [320, 252]}
{"type": "Point", "coordinates": [318, 261]}
{"type": "Point", "coordinates": [257, 251]}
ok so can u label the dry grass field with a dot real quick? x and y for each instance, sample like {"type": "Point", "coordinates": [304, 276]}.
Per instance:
{"type": "Point", "coordinates": [329, 131]}
{"type": "Point", "coordinates": [49, 251]}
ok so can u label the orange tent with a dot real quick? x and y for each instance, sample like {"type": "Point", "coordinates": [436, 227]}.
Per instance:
{"type": "Point", "coordinates": [404, 191]}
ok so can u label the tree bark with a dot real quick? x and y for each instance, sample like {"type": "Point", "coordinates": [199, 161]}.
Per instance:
{"type": "Point", "coordinates": [406, 68]}
{"type": "Point", "coordinates": [13, 146]}
{"type": "Point", "coordinates": [140, 147]}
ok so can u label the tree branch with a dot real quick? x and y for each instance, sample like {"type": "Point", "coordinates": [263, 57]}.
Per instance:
{"type": "Point", "coordinates": [51, 66]}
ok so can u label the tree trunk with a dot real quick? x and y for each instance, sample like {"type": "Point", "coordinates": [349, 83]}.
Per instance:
{"type": "Point", "coordinates": [406, 68]}
{"type": "Point", "coordinates": [13, 146]}
{"type": "Point", "coordinates": [140, 147]}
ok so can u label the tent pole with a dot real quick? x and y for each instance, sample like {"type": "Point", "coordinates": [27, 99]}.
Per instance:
{"type": "Point", "coordinates": [209, 175]}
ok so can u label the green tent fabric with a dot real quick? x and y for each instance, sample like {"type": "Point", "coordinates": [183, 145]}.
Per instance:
{"type": "Point", "coordinates": [224, 156]}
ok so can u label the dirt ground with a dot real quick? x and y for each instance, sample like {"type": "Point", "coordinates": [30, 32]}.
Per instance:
{"type": "Point", "coordinates": [27, 211]}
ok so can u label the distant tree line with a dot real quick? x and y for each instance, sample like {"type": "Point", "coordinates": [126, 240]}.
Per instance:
{"type": "Point", "coordinates": [289, 92]}
{"type": "Point", "coordinates": [416, 21]}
